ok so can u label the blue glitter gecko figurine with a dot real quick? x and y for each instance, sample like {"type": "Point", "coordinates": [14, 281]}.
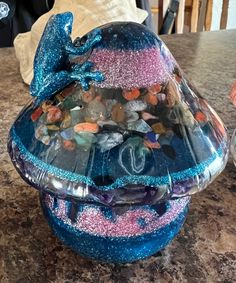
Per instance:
{"type": "Point", "coordinates": [51, 72]}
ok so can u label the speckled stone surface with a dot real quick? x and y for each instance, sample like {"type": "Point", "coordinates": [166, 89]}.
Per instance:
{"type": "Point", "coordinates": [204, 251]}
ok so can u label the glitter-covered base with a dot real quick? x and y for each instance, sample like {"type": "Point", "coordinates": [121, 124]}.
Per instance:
{"type": "Point", "coordinates": [117, 235]}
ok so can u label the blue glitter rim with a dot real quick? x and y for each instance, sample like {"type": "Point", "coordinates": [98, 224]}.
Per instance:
{"type": "Point", "coordinates": [120, 182]}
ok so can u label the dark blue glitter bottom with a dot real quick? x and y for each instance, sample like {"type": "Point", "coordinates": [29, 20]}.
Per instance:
{"type": "Point", "coordinates": [114, 249]}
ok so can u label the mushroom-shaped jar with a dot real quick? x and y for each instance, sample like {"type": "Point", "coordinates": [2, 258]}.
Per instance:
{"type": "Point", "coordinates": [116, 140]}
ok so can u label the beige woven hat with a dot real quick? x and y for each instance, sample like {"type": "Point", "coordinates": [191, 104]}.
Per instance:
{"type": "Point", "coordinates": [88, 14]}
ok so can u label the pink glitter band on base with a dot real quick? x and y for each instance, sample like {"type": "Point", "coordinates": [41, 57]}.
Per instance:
{"type": "Point", "coordinates": [131, 69]}
{"type": "Point", "coordinates": [91, 220]}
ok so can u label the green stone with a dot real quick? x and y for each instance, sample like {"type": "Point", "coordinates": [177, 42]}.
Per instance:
{"type": "Point", "coordinates": [85, 139]}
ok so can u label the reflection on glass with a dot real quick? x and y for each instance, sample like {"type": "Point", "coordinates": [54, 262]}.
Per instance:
{"type": "Point", "coordinates": [233, 146]}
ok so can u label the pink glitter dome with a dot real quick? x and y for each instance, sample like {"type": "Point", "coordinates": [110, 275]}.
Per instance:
{"type": "Point", "coordinates": [128, 59]}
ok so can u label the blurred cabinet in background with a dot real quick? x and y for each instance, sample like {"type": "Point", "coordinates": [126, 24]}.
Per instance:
{"type": "Point", "coordinates": [194, 15]}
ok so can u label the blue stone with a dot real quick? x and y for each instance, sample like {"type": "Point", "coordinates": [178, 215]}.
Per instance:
{"type": "Point", "coordinates": [152, 136]}
{"type": "Point", "coordinates": [68, 134]}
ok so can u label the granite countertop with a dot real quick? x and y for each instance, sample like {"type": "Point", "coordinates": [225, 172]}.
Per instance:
{"type": "Point", "coordinates": [205, 249]}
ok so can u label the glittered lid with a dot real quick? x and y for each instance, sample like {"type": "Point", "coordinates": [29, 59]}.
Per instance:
{"type": "Point", "coordinates": [130, 55]}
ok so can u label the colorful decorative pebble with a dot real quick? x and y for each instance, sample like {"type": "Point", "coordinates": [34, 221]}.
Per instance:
{"type": "Point", "coordinates": [70, 103]}
{"type": "Point", "coordinates": [95, 111]}
{"type": "Point", "coordinates": [161, 97]}
{"type": "Point", "coordinates": [188, 118]}
{"type": "Point", "coordinates": [54, 114]}
{"type": "Point", "coordinates": [85, 139]}
{"type": "Point", "coordinates": [152, 137]}
{"type": "Point", "coordinates": [118, 113]}
{"type": "Point", "coordinates": [52, 128]}
{"type": "Point", "coordinates": [147, 116]}
{"type": "Point", "coordinates": [177, 78]}
{"type": "Point", "coordinates": [173, 93]}
{"type": "Point", "coordinates": [151, 98]}
{"type": "Point", "coordinates": [109, 104]}
{"type": "Point", "coordinates": [200, 116]}
{"type": "Point", "coordinates": [108, 141]}
{"type": "Point", "coordinates": [89, 95]}
{"type": "Point", "coordinates": [68, 134]}
{"type": "Point", "coordinates": [36, 114]}
{"type": "Point", "coordinates": [69, 145]}
{"type": "Point", "coordinates": [152, 145]}
{"type": "Point", "coordinates": [131, 116]}
{"type": "Point", "coordinates": [77, 115]}
{"type": "Point", "coordinates": [66, 122]}
{"type": "Point", "coordinates": [106, 122]}
{"type": "Point", "coordinates": [154, 89]}
{"type": "Point", "coordinates": [131, 94]}
{"type": "Point", "coordinates": [140, 126]}
{"type": "Point", "coordinates": [135, 105]}
{"type": "Point", "coordinates": [86, 127]}
{"type": "Point", "coordinates": [159, 128]}
{"type": "Point", "coordinates": [41, 133]}
{"type": "Point", "coordinates": [46, 105]}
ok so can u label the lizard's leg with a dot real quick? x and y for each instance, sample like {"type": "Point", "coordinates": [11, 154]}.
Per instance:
{"type": "Point", "coordinates": [52, 83]}
{"type": "Point", "coordinates": [83, 74]}
{"type": "Point", "coordinates": [86, 66]}
{"type": "Point", "coordinates": [55, 82]}
{"type": "Point", "coordinates": [85, 77]}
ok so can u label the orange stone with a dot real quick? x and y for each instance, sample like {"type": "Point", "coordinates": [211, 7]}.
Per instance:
{"type": "Point", "coordinates": [86, 127]}
{"type": "Point", "coordinates": [155, 88]}
{"type": "Point", "coordinates": [200, 117]}
{"type": "Point", "coordinates": [36, 114]}
{"type": "Point", "coordinates": [151, 99]}
{"type": "Point", "coordinates": [68, 145]}
{"type": "Point", "coordinates": [131, 94]}
{"type": "Point", "coordinates": [54, 114]}
{"type": "Point", "coordinates": [150, 144]}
